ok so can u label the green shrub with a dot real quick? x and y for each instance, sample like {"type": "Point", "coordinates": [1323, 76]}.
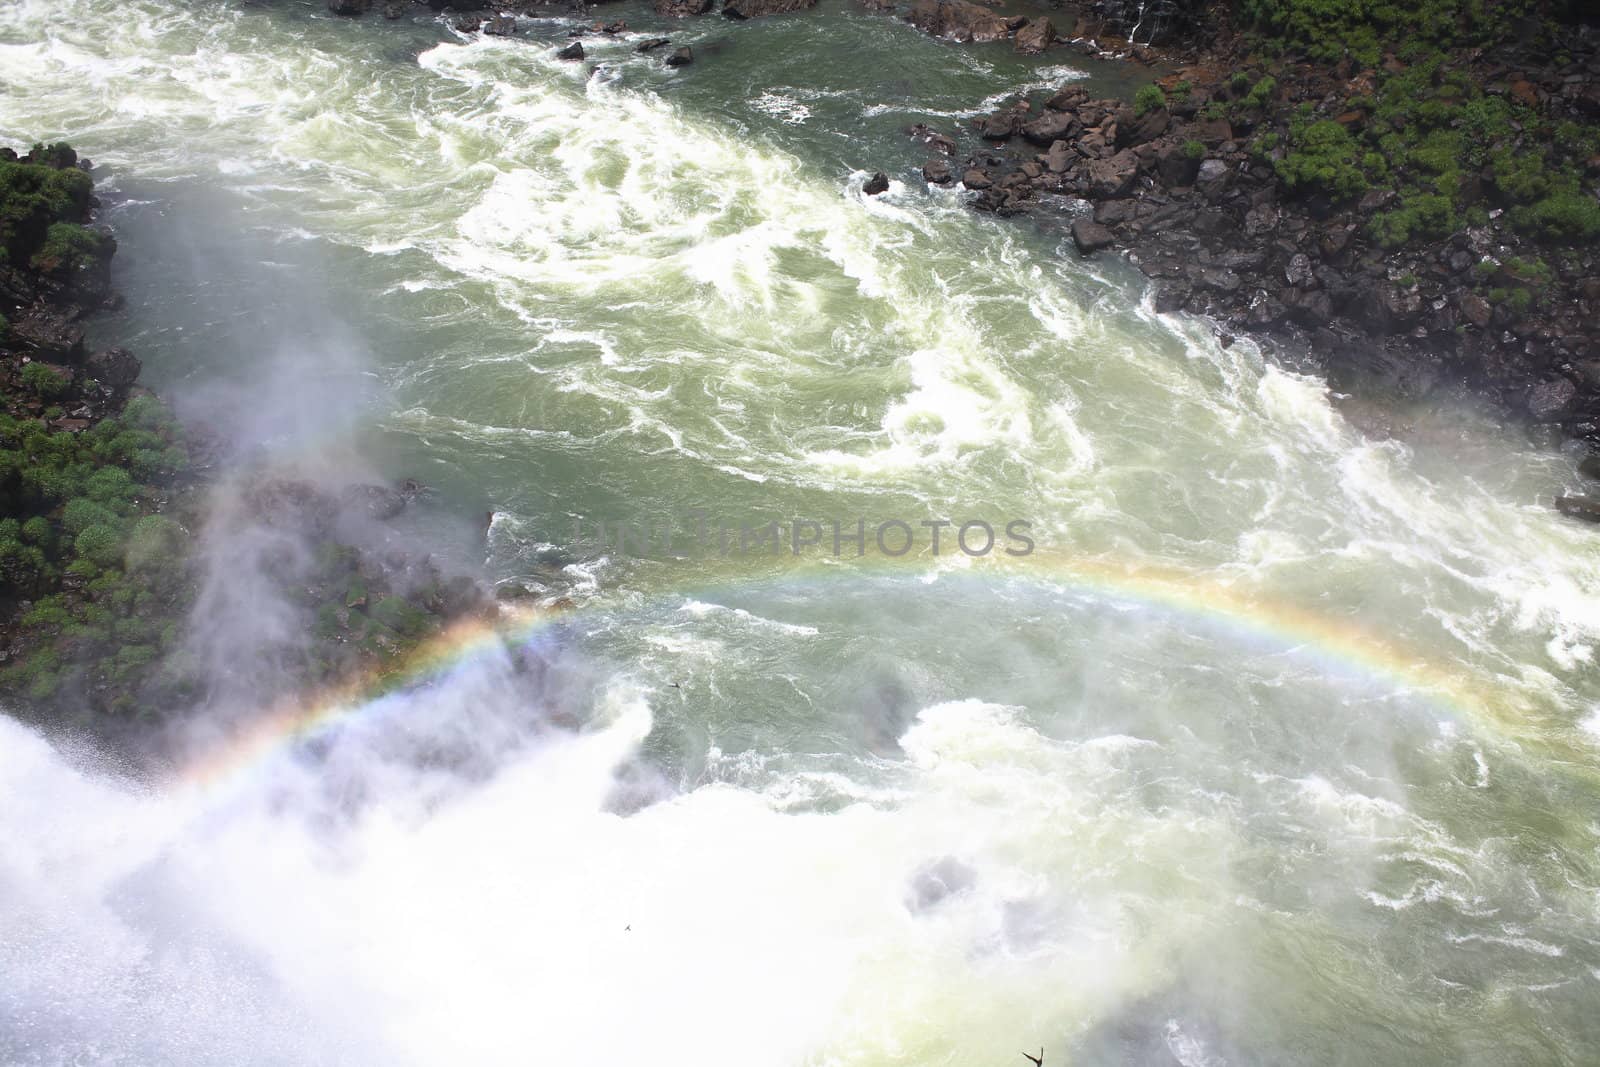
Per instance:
{"type": "Point", "coordinates": [1262, 93]}
{"type": "Point", "coordinates": [1322, 159]}
{"type": "Point", "coordinates": [69, 247]}
{"type": "Point", "coordinates": [36, 531]}
{"type": "Point", "coordinates": [154, 543]}
{"type": "Point", "coordinates": [100, 544]}
{"type": "Point", "coordinates": [1194, 150]}
{"type": "Point", "coordinates": [43, 380]}
{"type": "Point", "coordinates": [1563, 216]}
{"type": "Point", "coordinates": [1149, 98]}
{"type": "Point", "coordinates": [82, 513]}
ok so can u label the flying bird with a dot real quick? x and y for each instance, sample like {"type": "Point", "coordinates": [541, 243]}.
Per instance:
{"type": "Point", "coordinates": [1038, 1061]}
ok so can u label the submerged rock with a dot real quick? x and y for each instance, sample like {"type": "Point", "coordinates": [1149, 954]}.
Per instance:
{"type": "Point", "coordinates": [573, 51]}
{"type": "Point", "coordinates": [348, 7]}
{"type": "Point", "coordinates": [1090, 236]}
{"type": "Point", "coordinates": [1586, 508]}
{"type": "Point", "coordinates": [681, 58]}
{"type": "Point", "coordinates": [653, 43]}
{"type": "Point", "coordinates": [877, 184]}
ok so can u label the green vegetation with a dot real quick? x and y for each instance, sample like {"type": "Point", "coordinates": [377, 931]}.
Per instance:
{"type": "Point", "coordinates": [105, 576]}
{"type": "Point", "coordinates": [69, 247]}
{"type": "Point", "coordinates": [1330, 30]}
{"type": "Point", "coordinates": [1149, 98]}
{"type": "Point", "coordinates": [1194, 150]}
{"type": "Point", "coordinates": [43, 380]}
{"type": "Point", "coordinates": [1449, 151]}
{"type": "Point", "coordinates": [36, 198]}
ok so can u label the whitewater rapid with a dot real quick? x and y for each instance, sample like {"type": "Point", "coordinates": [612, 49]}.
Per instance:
{"type": "Point", "coordinates": [1282, 749]}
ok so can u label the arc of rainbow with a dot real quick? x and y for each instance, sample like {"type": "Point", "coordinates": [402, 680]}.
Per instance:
{"type": "Point", "coordinates": [1289, 626]}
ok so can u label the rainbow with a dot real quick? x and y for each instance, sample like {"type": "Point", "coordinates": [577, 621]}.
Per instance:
{"type": "Point", "coordinates": [1195, 599]}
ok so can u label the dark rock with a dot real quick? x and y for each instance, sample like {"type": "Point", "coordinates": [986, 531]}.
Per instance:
{"type": "Point", "coordinates": [500, 26]}
{"type": "Point", "coordinates": [1171, 296]}
{"type": "Point", "coordinates": [1114, 212]}
{"type": "Point", "coordinates": [394, 10]}
{"type": "Point", "coordinates": [1060, 158]}
{"type": "Point", "coordinates": [999, 126]}
{"type": "Point", "coordinates": [1212, 170]}
{"type": "Point", "coordinates": [1067, 99]}
{"type": "Point", "coordinates": [1090, 236]}
{"type": "Point", "coordinates": [1550, 400]}
{"type": "Point", "coordinates": [348, 7]}
{"type": "Point", "coordinates": [976, 179]}
{"type": "Point", "coordinates": [959, 20]}
{"type": "Point", "coordinates": [573, 51]}
{"type": "Point", "coordinates": [752, 9]}
{"type": "Point", "coordinates": [115, 368]}
{"type": "Point", "coordinates": [937, 171]}
{"type": "Point", "coordinates": [653, 43]}
{"type": "Point", "coordinates": [876, 185]}
{"type": "Point", "coordinates": [1035, 36]}
{"type": "Point", "coordinates": [48, 334]}
{"type": "Point", "coordinates": [1261, 220]}
{"type": "Point", "coordinates": [1476, 310]}
{"type": "Point", "coordinates": [1298, 271]}
{"type": "Point", "coordinates": [1113, 177]}
{"type": "Point", "coordinates": [1589, 466]}
{"type": "Point", "coordinates": [1311, 309]}
{"type": "Point", "coordinates": [1586, 508]}
{"type": "Point", "coordinates": [1174, 165]}
{"type": "Point", "coordinates": [678, 9]}
{"type": "Point", "coordinates": [377, 501]}
{"type": "Point", "coordinates": [1217, 280]}
{"type": "Point", "coordinates": [1142, 130]}
{"type": "Point", "coordinates": [1051, 127]}
{"type": "Point", "coordinates": [680, 57]}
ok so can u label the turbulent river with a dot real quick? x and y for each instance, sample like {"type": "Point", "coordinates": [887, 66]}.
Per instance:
{"type": "Point", "coordinates": [1282, 746]}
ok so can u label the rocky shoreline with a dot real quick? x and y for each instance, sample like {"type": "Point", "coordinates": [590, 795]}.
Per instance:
{"type": "Point", "coordinates": [1413, 215]}
{"type": "Point", "coordinates": [1420, 230]}
{"type": "Point", "coordinates": [113, 510]}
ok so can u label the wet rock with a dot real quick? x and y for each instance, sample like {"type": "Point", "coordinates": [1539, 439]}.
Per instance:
{"type": "Point", "coordinates": [1476, 310]}
{"type": "Point", "coordinates": [1261, 220]}
{"type": "Point", "coordinates": [501, 26]}
{"type": "Point", "coordinates": [937, 882]}
{"type": "Point", "coordinates": [652, 43]}
{"type": "Point", "coordinates": [1090, 236]}
{"type": "Point", "coordinates": [937, 171]}
{"type": "Point", "coordinates": [752, 9]}
{"type": "Point", "coordinates": [678, 9]}
{"type": "Point", "coordinates": [1060, 158]}
{"type": "Point", "coordinates": [48, 334]}
{"type": "Point", "coordinates": [348, 7]}
{"type": "Point", "coordinates": [1172, 296]}
{"type": "Point", "coordinates": [876, 185]}
{"type": "Point", "coordinates": [1114, 177]}
{"type": "Point", "coordinates": [975, 178]}
{"type": "Point", "coordinates": [1051, 127]}
{"type": "Point", "coordinates": [1035, 36]}
{"type": "Point", "coordinates": [958, 20]}
{"type": "Point", "coordinates": [573, 51]}
{"type": "Point", "coordinates": [1114, 212]}
{"type": "Point", "coordinates": [394, 10]}
{"type": "Point", "coordinates": [681, 57]}
{"type": "Point", "coordinates": [115, 368]}
{"type": "Point", "coordinates": [1311, 309]}
{"type": "Point", "coordinates": [1219, 280]}
{"type": "Point", "coordinates": [1550, 400]}
{"type": "Point", "coordinates": [999, 126]}
{"type": "Point", "coordinates": [1298, 271]}
{"type": "Point", "coordinates": [1586, 508]}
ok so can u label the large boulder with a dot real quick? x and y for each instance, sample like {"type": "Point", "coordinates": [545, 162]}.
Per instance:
{"type": "Point", "coordinates": [751, 9]}
{"type": "Point", "coordinates": [1051, 127]}
{"type": "Point", "coordinates": [1035, 36]}
{"type": "Point", "coordinates": [115, 368]}
{"type": "Point", "coordinates": [681, 8]}
{"type": "Point", "coordinates": [959, 20]}
{"type": "Point", "coordinates": [1114, 177]}
{"type": "Point", "coordinates": [1550, 400]}
{"type": "Point", "coordinates": [1090, 236]}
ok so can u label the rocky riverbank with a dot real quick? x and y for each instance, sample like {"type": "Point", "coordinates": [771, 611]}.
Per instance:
{"type": "Point", "coordinates": [1418, 216]}
{"type": "Point", "coordinates": [110, 510]}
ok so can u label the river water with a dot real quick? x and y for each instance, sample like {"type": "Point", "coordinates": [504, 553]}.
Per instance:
{"type": "Point", "coordinates": [1280, 746]}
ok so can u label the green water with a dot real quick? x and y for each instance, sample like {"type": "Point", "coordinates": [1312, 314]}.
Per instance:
{"type": "Point", "coordinates": [1281, 747]}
